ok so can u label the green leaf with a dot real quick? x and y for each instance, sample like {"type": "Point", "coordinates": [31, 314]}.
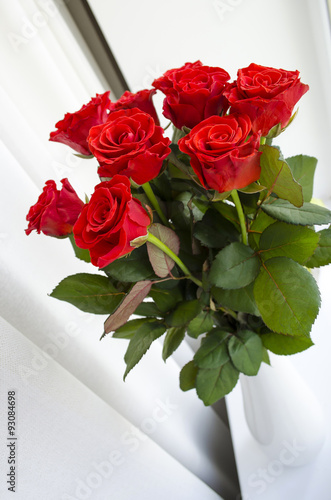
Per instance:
{"type": "Point", "coordinates": [303, 169]}
{"type": "Point", "coordinates": [132, 267]}
{"type": "Point", "coordinates": [164, 299]}
{"type": "Point", "coordinates": [287, 296]}
{"type": "Point", "coordinates": [241, 299]}
{"type": "Point", "coordinates": [128, 330]}
{"type": "Point", "coordinates": [245, 349]}
{"type": "Point", "coordinates": [184, 313]}
{"type": "Point", "coordinates": [172, 341]}
{"type": "Point", "coordinates": [188, 376]}
{"type": "Point", "coordinates": [285, 240]}
{"type": "Point", "coordinates": [234, 267]}
{"type": "Point", "coordinates": [276, 175]}
{"type": "Point", "coordinates": [81, 253]}
{"type": "Point", "coordinates": [215, 231]}
{"type": "Point", "coordinates": [307, 215]}
{"type": "Point", "coordinates": [89, 292]}
{"type": "Point", "coordinates": [257, 227]}
{"type": "Point", "coordinates": [213, 351]}
{"type": "Point", "coordinates": [191, 210]}
{"type": "Point", "coordinates": [148, 308]}
{"type": "Point", "coordinates": [214, 384]}
{"type": "Point", "coordinates": [228, 212]}
{"type": "Point", "coordinates": [252, 188]}
{"type": "Point", "coordinates": [322, 254]}
{"type": "Point", "coordinates": [128, 306]}
{"type": "Point", "coordinates": [163, 186]}
{"type": "Point", "coordinates": [265, 356]}
{"type": "Point", "coordinates": [285, 344]}
{"type": "Point", "coordinates": [200, 324]}
{"type": "Point", "coordinates": [161, 263]}
{"type": "Point", "coordinates": [141, 342]}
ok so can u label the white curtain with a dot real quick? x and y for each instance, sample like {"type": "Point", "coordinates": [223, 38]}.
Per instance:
{"type": "Point", "coordinates": [82, 433]}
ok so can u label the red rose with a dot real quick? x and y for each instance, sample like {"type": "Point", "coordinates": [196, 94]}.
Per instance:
{"type": "Point", "coordinates": [141, 100]}
{"type": "Point", "coordinates": [73, 130]}
{"type": "Point", "coordinates": [110, 220]}
{"type": "Point", "coordinates": [266, 95]}
{"type": "Point", "coordinates": [193, 92]}
{"type": "Point", "coordinates": [129, 143]}
{"type": "Point", "coordinates": [222, 154]}
{"type": "Point", "coordinates": [55, 212]}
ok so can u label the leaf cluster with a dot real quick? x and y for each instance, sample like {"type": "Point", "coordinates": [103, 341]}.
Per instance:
{"type": "Point", "coordinates": [252, 299]}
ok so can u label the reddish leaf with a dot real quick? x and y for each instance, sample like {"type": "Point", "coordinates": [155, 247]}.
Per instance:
{"type": "Point", "coordinates": [161, 263]}
{"type": "Point", "coordinates": [128, 306]}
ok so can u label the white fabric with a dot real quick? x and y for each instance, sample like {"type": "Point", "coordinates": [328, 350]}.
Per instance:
{"type": "Point", "coordinates": [73, 409]}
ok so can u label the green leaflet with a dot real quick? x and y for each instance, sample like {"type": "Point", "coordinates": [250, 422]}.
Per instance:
{"type": "Point", "coordinates": [172, 341]}
{"type": "Point", "coordinates": [235, 266]}
{"type": "Point", "coordinates": [89, 292]}
{"type": "Point", "coordinates": [246, 351]}
{"type": "Point", "coordinates": [277, 177]}
{"type": "Point", "coordinates": [307, 215]}
{"type": "Point", "coordinates": [287, 296]}
{"type": "Point", "coordinates": [303, 169]}
{"type": "Point", "coordinates": [285, 240]}
{"type": "Point", "coordinates": [285, 344]}
{"type": "Point", "coordinates": [141, 342]}
{"type": "Point", "coordinates": [214, 384]}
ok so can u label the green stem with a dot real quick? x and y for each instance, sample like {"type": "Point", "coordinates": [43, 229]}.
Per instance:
{"type": "Point", "coordinates": [152, 198]}
{"type": "Point", "coordinates": [158, 243]}
{"type": "Point", "coordinates": [236, 200]}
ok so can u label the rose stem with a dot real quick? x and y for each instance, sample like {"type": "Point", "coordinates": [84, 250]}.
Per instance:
{"type": "Point", "coordinates": [158, 243]}
{"type": "Point", "coordinates": [152, 198]}
{"type": "Point", "coordinates": [236, 200]}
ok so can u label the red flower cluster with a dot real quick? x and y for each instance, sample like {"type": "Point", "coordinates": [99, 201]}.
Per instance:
{"type": "Point", "coordinates": [226, 120]}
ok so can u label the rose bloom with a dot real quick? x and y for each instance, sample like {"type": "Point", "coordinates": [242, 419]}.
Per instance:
{"type": "Point", "coordinates": [74, 129]}
{"type": "Point", "coordinates": [193, 92]}
{"type": "Point", "coordinates": [129, 143]}
{"type": "Point", "coordinates": [141, 100]}
{"type": "Point", "coordinates": [266, 95]}
{"type": "Point", "coordinates": [56, 211]}
{"type": "Point", "coordinates": [110, 221]}
{"type": "Point", "coordinates": [223, 155]}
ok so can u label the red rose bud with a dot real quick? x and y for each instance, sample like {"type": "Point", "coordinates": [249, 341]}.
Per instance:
{"type": "Point", "coordinates": [110, 221]}
{"type": "Point", "coordinates": [223, 155]}
{"type": "Point", "coordinates": [56, 211]}
{"type": "Point", "coordinates": [130, 144]}
{"type": "Point", "coordinates": [193, 93]}
{"type": "Point", "coordinates": [141, 100]}
{"type": "Point", "coordinates": [74, 129]}
{"type": "Point", "coordinates": [266, 95]}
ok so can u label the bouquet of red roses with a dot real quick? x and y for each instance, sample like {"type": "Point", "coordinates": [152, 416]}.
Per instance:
{"type": "Point", "coordinates": [209, 235]}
